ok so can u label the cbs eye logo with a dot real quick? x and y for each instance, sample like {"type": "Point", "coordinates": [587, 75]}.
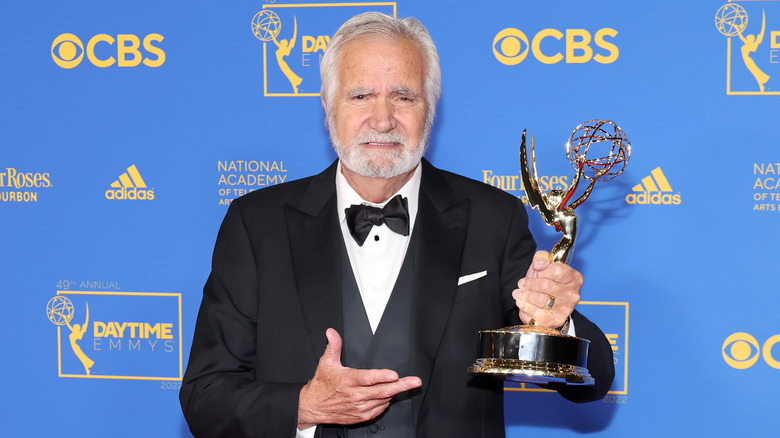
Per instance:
{"type": "Point", "coordinates": [510, 46]}
{"type": "Point", "coordinates": [67, 50]}
{"type": "Point", "coordinates": [741, 350]}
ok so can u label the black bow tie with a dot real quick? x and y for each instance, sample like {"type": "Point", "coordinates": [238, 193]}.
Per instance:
{"type": "Point", "coordinates": [395, 214]}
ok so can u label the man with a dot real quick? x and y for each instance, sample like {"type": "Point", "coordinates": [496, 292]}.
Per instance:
{"type": "Point", "coordinates": [323, 318]}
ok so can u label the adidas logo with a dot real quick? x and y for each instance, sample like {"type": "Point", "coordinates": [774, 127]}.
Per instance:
{"type": "Point", "coordinates": [654, 189]}
{"type": "Point", "coordinates": [130, 185]}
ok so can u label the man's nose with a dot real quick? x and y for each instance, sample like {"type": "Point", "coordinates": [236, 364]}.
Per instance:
{"type": "Point", "coordinates": [382, 116]}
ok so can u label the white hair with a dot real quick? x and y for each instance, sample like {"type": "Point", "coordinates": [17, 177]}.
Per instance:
{"type": "Point", "coordinates": [379, 25]}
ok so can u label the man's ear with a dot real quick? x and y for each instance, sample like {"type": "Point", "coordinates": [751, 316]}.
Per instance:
{"type": "Point", "coordinates": [324, 106]}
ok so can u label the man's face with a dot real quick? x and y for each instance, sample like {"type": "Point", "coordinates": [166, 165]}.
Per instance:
{"type": "Point", "coordinates": [377, 119]}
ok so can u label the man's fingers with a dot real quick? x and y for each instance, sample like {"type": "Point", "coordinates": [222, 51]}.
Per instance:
{"type": "Point", "coordinates": [343, 395]}
{"type": "Point", "coordinates": [556, 280]}
{"type": "Point", "coordinates": [541, 267]}
{"type": "Point", "coordinates": [540, 261]}
{"type": "Point", "coordinates": [380, 384]}
{"type": "Point", "coordinates": [380, 377]}
{"type": "Point", "coordinates": [371, 377]}
{"type": "Point", "coordinates": [388, 390]}
{"type": "Point", "coordinates": [377, 410]}
{"type": "Point", "coordinates": [557, 272]}
{"type": "Point", "coordinates": [410, 382]}
{"type": "Point", "coordinates": [542, 316]}
{"type": "Point", "coordinates": [561, 273]}
{"type": "Point", "coordinates": [537, 285]}
{"type": "Point", "coordinates": [332, 355]}
{"type": "Point", "coordinates": [526, 318]}
{"type": "Point", "coordinates": [554, 298]}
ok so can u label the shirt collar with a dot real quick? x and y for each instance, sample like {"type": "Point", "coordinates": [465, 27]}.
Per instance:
{"type": "Point", "coordinates": [347, 196]}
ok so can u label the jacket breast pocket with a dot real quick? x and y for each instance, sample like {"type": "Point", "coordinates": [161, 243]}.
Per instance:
{"type": "Point", "coordinates": [474, 288]}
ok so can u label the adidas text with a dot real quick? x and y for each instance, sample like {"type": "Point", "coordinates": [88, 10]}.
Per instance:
{"type": "Point", "coordinates": [131, 194]}
{"type": "Point", "coordinates": [656, 198]}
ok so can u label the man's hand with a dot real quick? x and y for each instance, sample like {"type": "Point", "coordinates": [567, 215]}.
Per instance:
{"type": "Point", "coordinates": [548, 293]}
{"type": "Point", "coordinates": [341, 395]}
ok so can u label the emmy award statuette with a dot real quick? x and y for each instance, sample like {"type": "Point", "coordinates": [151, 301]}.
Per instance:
{"type": "Point", "coordinates": [531, 353]}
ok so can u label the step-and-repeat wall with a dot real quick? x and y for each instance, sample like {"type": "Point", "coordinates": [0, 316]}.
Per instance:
{"type": "Point", "coordinates": [128, 127]}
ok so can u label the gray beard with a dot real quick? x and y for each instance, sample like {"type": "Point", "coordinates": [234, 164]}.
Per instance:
{"type": "Point", "coordinates": [379, 163]}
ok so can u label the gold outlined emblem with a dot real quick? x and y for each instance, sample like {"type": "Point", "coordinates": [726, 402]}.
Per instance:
{"type": "Point", "coordinates": [60, 311]}
{"type": "Point", "coordinates": [267, 26]}
{"type": "Point", "coordinates": [133, 335]}
{"type": "Point", "coordinates": [731, 20]}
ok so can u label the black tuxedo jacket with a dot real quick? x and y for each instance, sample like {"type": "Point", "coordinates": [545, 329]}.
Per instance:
{"type": "Point", "coordinates": [275, 287]}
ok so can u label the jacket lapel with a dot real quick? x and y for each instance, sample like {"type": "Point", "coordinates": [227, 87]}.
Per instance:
{"type": "Point", "coordinates": [314, 236]}
{"type": "Point", "coordinates": [441, 223]}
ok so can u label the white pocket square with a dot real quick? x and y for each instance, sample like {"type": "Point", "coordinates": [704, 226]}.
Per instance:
{"type": "Point", "coordinates": [471, 277]}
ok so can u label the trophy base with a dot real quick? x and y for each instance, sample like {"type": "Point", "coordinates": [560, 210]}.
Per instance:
{"type": "Point", "coordinates": [532, 354]}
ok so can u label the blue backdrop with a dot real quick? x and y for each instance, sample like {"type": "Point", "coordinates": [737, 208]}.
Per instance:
{"type": "Point", "coordinates": [127, 128]}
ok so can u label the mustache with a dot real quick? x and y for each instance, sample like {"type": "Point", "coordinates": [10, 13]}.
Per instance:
{"type": "Point", "coordinates": [380, 137]}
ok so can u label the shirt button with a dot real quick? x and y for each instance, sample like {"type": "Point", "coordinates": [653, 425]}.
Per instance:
{"type": "Point", "coordinates": [375, 428]}
{"type": "Point", "coordinates": [376, 238]}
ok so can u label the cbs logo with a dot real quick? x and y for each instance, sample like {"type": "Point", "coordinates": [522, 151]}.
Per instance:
{"type": "Point", "coordinates": [67, 50]}
{"type": "Point", "coordinates": [741, 350]}
{"type": "Point", "coordinates": [511, 46]}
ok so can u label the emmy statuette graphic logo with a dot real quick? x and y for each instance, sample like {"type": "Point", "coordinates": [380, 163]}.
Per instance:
{"type": "Point", "coordinates": [60, 312]}
{"type": "Point", "coordinates": [753, 46]}
{"type": "Point", "coordinates": [267, 26]}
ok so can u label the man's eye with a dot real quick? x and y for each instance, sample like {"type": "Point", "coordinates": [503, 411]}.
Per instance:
{"type": "Point", "coordinates": [360, 97]}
